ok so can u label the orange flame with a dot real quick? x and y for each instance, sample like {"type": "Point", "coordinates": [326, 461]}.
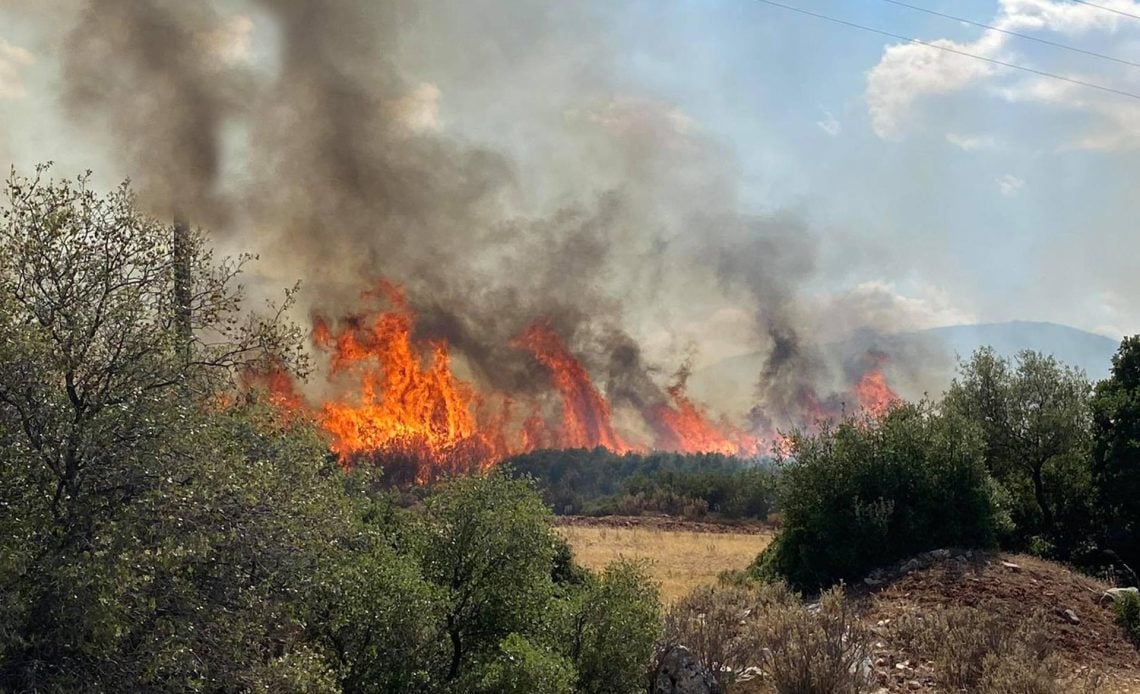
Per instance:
{"type": "Point", "coordinates": [406, 401]}
{"type": "Point", "coordinates": [872, 392]}
{"type": "Point", "coordinates": [401, 404]}
{"type": "Point", "coordinates": [685, 428]}
{"type": "Point", "coordinates": [586, 419]}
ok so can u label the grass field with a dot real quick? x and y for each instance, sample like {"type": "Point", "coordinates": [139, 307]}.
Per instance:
{"type": "Point", "coordinates": [680, 560]}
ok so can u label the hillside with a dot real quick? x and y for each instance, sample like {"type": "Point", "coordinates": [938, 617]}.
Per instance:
{"type": "Point", "coordinates": [1016, 588]}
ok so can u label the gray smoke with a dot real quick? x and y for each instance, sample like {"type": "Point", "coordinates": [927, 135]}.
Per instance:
{"type": "Point", "coordinates": [344, 183]}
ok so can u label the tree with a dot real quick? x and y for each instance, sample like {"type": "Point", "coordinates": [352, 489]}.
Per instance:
{"type": "Point", "coordinates": [488, 544]}
{"type": "Point", "coordinates": [1035, 420]}
{"type": "Point", "coordinates": [866, 492]}
{"type": "Point", "coordinates": [153, 535]}
{"type": "Point", "coordinates": [610, 628]}
{"type": "Point", "coordinates": [1116, 452]}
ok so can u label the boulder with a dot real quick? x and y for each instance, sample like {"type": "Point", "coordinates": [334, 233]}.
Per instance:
{"type": "Point", "coordinates": [1118, 594]}
{"type": "Point", "coordinates": [679, 672]}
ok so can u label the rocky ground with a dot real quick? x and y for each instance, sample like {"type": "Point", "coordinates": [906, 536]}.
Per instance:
{"type": "Point", "coordinates": [1079, 622]}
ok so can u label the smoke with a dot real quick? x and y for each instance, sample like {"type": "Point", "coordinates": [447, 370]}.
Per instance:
{"type": "Point", "coordinates": [349, 175]}
{"type": "Point", "coordinates": [140, 68]}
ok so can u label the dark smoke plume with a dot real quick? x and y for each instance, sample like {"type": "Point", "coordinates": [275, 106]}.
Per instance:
{"type": "Point", "coordinates": [348, 179]}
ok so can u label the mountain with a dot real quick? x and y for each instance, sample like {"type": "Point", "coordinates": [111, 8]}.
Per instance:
{"type": "Point", "coordinates": [1073, 346]}
{"type": "Point", "coordinates": [920, 362]}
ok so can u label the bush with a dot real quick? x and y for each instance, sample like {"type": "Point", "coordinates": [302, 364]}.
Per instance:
{"type": "Point", "coordinates": [718, 625]}
{"type": "Point", "coordinates": [710, 622]}
{"type": "Point", "coordinates": [867, 492]}
{"type": "Point", "coordinates": [525, 668]}
{"type": "Point", "coordinates": [820, 651]}
{"type": "Point", "coordinates": [981, 650]}
{"type": "Point", "coordinates": [1128, 615]}
{"type": "Point", "coordinates": [609, 630]}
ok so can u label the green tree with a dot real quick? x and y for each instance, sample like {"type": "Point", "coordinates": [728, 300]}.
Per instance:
{"type": "Point", "coordinates": [488, 545]}
{"type": "Point", "coordinates": [1116, 416]}
{"type": "Point", "coordinates": [154, 539]}
{"type": "Point", "coordinates": [866, 492]}
{"type": "Point", "coordinates": [523, 667]}
{"type": "Point", "coordinates": [1035, 418]}
{"type": "Point", "coordinates": [609, 628]}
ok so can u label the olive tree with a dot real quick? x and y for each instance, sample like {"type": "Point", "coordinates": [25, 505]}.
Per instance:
{"type": "Point", "coordinates": [145, 524]}
{"type": "Point", "coordinates": [1035, 418]}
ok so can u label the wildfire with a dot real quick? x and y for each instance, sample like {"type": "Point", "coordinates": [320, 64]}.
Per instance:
{"type": "Point", "coordinates": [871, 391]}
{"type": "Point", "coordinates": [407, 400]}
{"type": "Point", "coordinates": [586, 420]}
{"type": "Point", "coordinates": [683, 426]}
{"type": "Point", "coordinates": [399, 402]}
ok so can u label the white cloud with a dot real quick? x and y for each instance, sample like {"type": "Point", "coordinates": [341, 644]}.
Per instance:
{"type": "Point", "coordinates": [973, 143]}
{"type": "Point", "coordinates": [1010, 185]}
{"type": "Point", "coordinates": [829, 124]}
{"type": "Point", "coordinates": [909, 73]}
{"type": "Point", "coordinates": [13, 61]}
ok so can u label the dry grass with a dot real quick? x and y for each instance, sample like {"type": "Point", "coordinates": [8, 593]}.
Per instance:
{"type": "Point", "coordinates": [679, 560]}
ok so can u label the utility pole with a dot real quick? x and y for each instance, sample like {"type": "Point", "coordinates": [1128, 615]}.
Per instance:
{"type": "Point", "coordinates": [182, 279]}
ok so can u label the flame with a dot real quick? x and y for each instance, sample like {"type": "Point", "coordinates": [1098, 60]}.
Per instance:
{"type": "Point", "coordinates": [398, 402]}
{"type": "Point", "coordinates": [586, 420]}
{"type": "Point", "coordinates": [407, 400]}
{"type": "Point", "coordinates": [684, 427]}
{"type": "Point", "coordinates": [872, 392]}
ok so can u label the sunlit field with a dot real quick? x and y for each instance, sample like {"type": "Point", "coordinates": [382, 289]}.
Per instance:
{"type": "Point", "coordinates": [680, 560]}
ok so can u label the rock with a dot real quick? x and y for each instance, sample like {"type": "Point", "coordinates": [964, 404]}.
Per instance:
{"type": "Point", "coordinates": [939, 554]}
{"type": "Point", "coordinates": [1118, 594]}
{"type": "Point", "coordinates": [1071, 617]}
{"type": "Point", "coordinates": [912, 565]}
{"type": "Point", "coordinates": [873, 582]}
{"type": "Point", "coordinates": [680, 673]}
{"type": "Point", "coordinates": [1011, 566]}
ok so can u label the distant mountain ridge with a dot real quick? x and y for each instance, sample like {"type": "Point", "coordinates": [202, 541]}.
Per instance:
{"type": "Point", "coordinates": [1073, 346]}
{"type": "Point", "coordinates": [921, 361]}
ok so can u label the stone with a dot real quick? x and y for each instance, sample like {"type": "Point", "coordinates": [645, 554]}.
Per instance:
{"type": "Point", "coordinates": [1071, 617]}
{"type": "Point", "coordinates": [679, 672]}
{"type": "Point", "coordinates": [912, 565]}
{"type": "Point", "coordinates": [1118, 594]}
{"type": "Point", "coordinates": [1011, 566]}
{"type": "Point", "coordinates": [940, 554]}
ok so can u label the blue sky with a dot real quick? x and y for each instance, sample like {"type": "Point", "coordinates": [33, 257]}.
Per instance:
{"type": "Point", "coordinates": [938, 186]}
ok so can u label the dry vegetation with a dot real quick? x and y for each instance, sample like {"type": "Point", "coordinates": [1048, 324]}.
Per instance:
{"type": "Point", "coordinates": [680, 560]}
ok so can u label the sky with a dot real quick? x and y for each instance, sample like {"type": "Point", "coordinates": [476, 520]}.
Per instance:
{"type": "Point", "coordinates": [941, 189]}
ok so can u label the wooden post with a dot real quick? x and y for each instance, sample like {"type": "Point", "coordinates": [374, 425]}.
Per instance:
{"type": "Point", "coordinates": [182, 258]}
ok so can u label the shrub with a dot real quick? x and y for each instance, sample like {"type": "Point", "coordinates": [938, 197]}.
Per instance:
{"type": "Point", "coordinates": [718, 625]}
{"type": "Point", "coordinates": [709, 622]}
{"type": "Point", "coordinates": [981, 650]}
{"type": "Point", "coordinates": [525, 668]}
{"type": "Point", "coordinates": [610, 627]}
{"type": "Point", "coordinates": [815, 651]}
{"type": "Point", "coordinates": [867, 492]}
{"type": "Point", "coordinates": [1128, 615]}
